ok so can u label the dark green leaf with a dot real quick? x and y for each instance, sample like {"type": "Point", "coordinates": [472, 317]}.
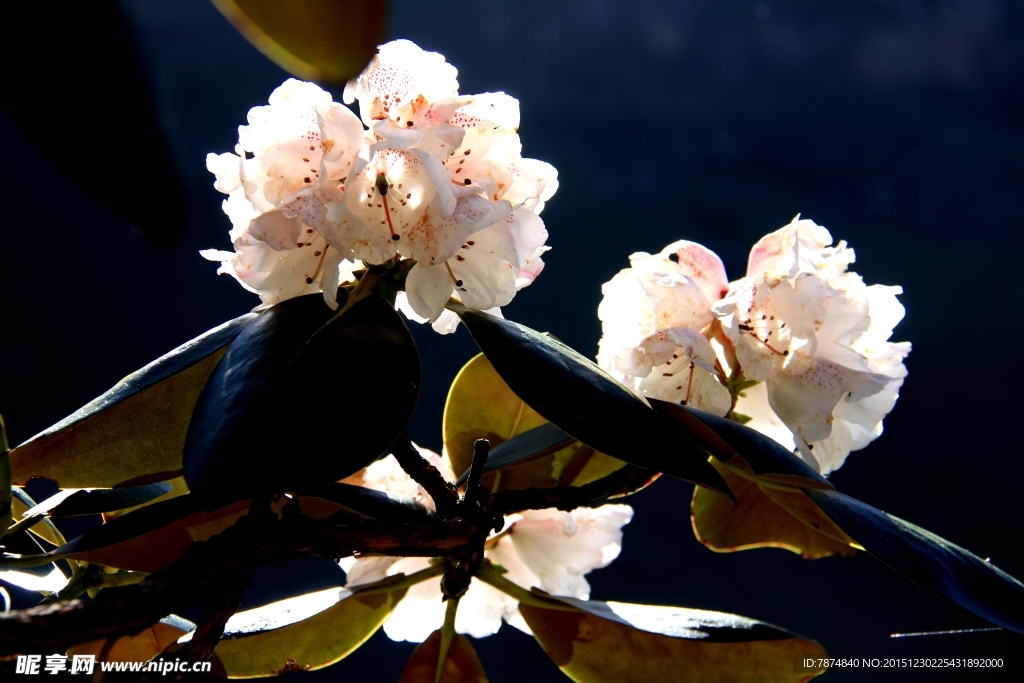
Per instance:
{"type": "Point", "coordinates": [317, 40]}
{"type": "Point", "coordinates": [626, 643]}
{"type": "Point", "coordinates": [379, 505]}
{"type": "Point", "coordinates": [573, 393]}
{"type": "Point", "coordinates": [725, 439]}
{"type": "Point", "coordinates": [534, 443]}
{"type": "Point", "coordinates": [929, 560]}
{"type": "Point", "coordinates": [135, 432]}
{"type": "Point", "coordinates": [108, 500]}
{"type": "Point", "coordinates": [303, 397]}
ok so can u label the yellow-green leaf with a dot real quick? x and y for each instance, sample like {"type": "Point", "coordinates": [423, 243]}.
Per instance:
{"type": "Point", "coordinates": [460, 666]}
{"type": "Point", "coordinates": [755, 520]}
{"type": "Point", "coordinates": [329, 41]}
{"type": "Point", "coordinates": [481, 405]}
{"type": "Point", "coordinates": [135, 432]}
{"type": "Point", "coordinates": [302, 633]}
{"type": "Point", "coordinates": [625, 643]}
{"type": "Point", "coordinates": [140, 647]}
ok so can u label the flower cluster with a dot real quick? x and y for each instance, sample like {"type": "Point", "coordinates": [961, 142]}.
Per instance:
{"type": "Point", "coordinates": [435, 177]}
{"type": "Point", "coordinates": [798, 349]}
{"type": "Point", "coordinates": [548, 549]}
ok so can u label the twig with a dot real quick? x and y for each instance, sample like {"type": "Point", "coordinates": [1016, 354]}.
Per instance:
{"type": "Point", "coordinates": [621, 482]}
{"type": "Point", "coordinates": [444, 494]}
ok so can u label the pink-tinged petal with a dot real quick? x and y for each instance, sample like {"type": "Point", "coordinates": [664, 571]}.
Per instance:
{"type": "Point", "coordinates": [400, 74]}
{"type": "Point", "coordinates": [561, 547]}
{"type": "Point", "coordinates": [483, 280]}
{"type": "Point", "coordinates": [437, 237]}
{"type": "Point", "coordinates": [701, 265]}
{"type": "Point", "coordinates": [806, 401]}
{"type": "Point", "coordinates": [428, 289]}
{"type": "Point", "coordinates": [793, 247]}
{"type": "Point", "coordinates": [515, 238]}
{"type": "Point", "coordinates": [277, 230]}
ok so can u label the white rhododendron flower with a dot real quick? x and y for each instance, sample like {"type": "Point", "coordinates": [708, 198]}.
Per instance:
{"type": "Point", "coordinates": [437, 177]}
{"type": "Point", "coordinates": [652, 317]}
{"type": "Point", "coordinates": [818, 337]}
{"type": "Point", "coordinates": [809, 333]}
{"type": "Point", "coordinates": [549, 549]}
{"type": "Point", "coordinates": [302, 146]}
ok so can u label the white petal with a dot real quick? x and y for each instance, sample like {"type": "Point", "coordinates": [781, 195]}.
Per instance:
{"type": "Point", "coordinates": [560, 547]}
{"type": "Point", "coordinates": [428, 289]}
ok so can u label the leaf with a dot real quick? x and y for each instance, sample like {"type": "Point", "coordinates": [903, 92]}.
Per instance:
{"type": "Point", "coordinates": [929, 560]}
{"type": "Point", "coordinates": [139, 647]}
{"type": "Point", "coordinates": [108, 500]}
{"type": "Point", "coordinates": [755, 520]}
{"type": "Point", "coordinates": [44, 579]}
{"type": "Point", "coordinates": [45, 529]}
{"type": "Point", "coordinates": [366, 502]}
{"type": "Point", "coordinates": [306, 632]}
{"type": "Point", "coordinates": [460, 666]}
{"type": "Point", "coordinates": [742, 447]}
{"type": "Point", "coordinates": [302, 398]}
{"type": "Point", "coordinates": [625, 643]}
{"type": "Point", "coordinates": [92, 42]}
{"type": "Point", "coordinates": [577, 396]}
{"type": "Point", "coordinates": [316, 40]}
{"type": "Point", "coordinates": [134, 433]}
{"type": "Point", "coordinates": [154, 536]}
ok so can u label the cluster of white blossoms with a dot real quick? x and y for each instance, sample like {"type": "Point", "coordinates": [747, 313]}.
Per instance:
{"type": "Point", "coordinates": [435, 177]}
{"type": "Point", "coordinates": [548, 549]}
{"type": "Point", "coordinates": [801, 341]}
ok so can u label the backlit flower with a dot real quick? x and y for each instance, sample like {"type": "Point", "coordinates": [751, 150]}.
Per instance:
{"type": "Point", "coordinates": [548, 549]}
{"type": "Point", "coordinates": [652, 317]}
{"type": "Point", "coordinates": [302, 146]}
{"type": "Point", "coordinates": [818, 337]}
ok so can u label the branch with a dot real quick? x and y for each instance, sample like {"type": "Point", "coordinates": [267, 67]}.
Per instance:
{"type": "Point", "coordinates": [445, 495]}
{"type": "Point", "coordinates": [201, 573]}
{"type": "Point", "coordinates": [621, 482]}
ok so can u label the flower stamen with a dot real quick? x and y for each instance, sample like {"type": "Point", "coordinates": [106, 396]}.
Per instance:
{"type": "Point", "coordinates": [458, 282]}
{"type": "Point", "coordinates": [323, 255]}
{"type": "Point", "coordinates": [382, 186]}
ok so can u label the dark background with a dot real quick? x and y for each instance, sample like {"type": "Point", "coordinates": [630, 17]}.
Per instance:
{"type": "Point", "coordinates": [897, 125]}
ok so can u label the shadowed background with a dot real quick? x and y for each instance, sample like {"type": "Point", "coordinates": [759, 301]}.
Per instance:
{"type": "Point", "coordinates": [897, 125]}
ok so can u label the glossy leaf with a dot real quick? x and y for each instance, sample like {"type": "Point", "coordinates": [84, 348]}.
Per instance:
{"type": "Point", "coordinates": [742, 447]}
{"type": "Point", "coordinates": [529, 450]}
{"type": "Point", "coordinates": [139, 647]}
{"type": "Point", "coordinates": [626, 643]}
{"type": "Point", "coordinates": [44, 579]}
{"type": "Point", "coordinates": [92, 46]}
{"type": "Point", "coordinates": [929, 560]}
{"type": "Point", "coordinates": [461, 665]}
{"type": "Point", "coordinates": [45, 529]}
{"type": "Point", "coordinates": [755, 520]}
{"type": "Point", "coordinates": [108, 500]}
{"type": "Point", "coordinates": [303, 397]}
{"type": "Point", "coordinates": [303, 633]}
{"type": "Point", "coordinates": [571, 392]}
{"type": "Point", "coordinates": [153, 536]}
{"type": "Point", "coordinates": [317, 40]}
{"type": "Point", "coordinates": [366, 502]}
{"type": "Point", "coordinates": [134, 433]}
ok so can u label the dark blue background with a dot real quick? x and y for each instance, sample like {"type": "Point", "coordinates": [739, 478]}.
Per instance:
{"type": "Point", "coordinates": [898, 125]}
